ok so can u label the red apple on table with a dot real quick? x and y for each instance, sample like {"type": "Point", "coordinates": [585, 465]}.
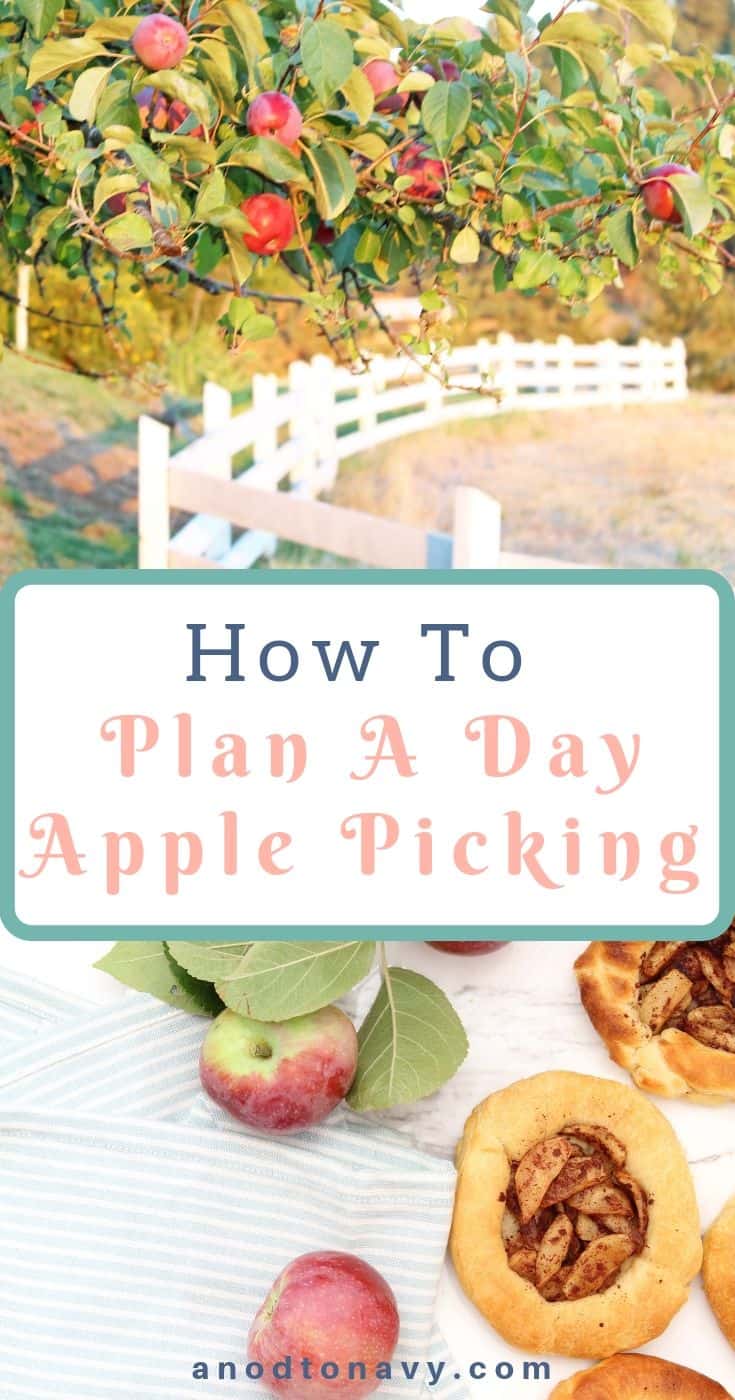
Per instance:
{"type": "Point", "coordinates": [467, 949]}
{"type": "Point", "coordinates": [272, 223]}
{"type": "Point", "coordinates": [326, 1307]}
{"type": "Point", "coordinates": [658, 194]}
{"type": "Point", "coordinates": [426, 172]}
{"type": "Point", "coordinates": [282, 1076]}
{"type": "Point", "coordinates": [383, 77]}
{"type": "Point", "coordinates": [159, 42]}
{"type": "Point", "coordinates": [276, 115]}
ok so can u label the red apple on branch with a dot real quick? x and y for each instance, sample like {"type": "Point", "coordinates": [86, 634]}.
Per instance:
{"type": "Point", "coordinates": [467, 949]}
{"type": "Point", "coordinates": [157, 112]}
{"type": "Point", "coordinates": [658, 195]}
{"type": "Point", "coordinates": [427, 174]}
{"type": "Point", "coordinates": [445, 71]}
{"type": "Point", "coordinates": [272, 223]}
{"type": "Point", "coordinates": [279, 1077]}
{"type": "Point", "coordinates": [326, 1307]}
{"type": "Point", "coordinates": [160, 42]}
{"type": "Point", "coordinates": [384, 78]}
{"type": "Point", "coordinates": [275, 114]}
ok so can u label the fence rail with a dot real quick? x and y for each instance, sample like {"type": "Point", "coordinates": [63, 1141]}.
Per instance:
{"type": "Point", "coordinates": [295, 436]}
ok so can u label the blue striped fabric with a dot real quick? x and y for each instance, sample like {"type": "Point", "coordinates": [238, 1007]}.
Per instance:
{"type": "Point", "coordinates": [144, 1228]}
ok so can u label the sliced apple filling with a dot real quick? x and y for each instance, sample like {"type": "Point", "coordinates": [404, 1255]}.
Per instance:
{"type": "Point", "coordinates": [691, 987]}
{"type": "Point", "coordinates": [573, 1214]}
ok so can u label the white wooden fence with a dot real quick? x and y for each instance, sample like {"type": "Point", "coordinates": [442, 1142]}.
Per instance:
{"type": "Point", "coordinates": [286, 449]}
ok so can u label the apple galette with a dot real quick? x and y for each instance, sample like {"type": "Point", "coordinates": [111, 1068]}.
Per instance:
{"type": "Point", "coordinates": [633, 1377]}
{"type": "Point", "coordinates": [575, 1226]}
{"type": "Point", "coordinates": [666, 1012]}
{"type": "Point", "coordinates": [719, 1269]}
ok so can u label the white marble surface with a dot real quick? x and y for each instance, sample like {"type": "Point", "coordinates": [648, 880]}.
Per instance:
{"type": "Point", "coordinates": [522, 1014]}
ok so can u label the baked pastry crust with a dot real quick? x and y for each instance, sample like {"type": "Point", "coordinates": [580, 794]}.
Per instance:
{"type": "Point", "coordinates": [631, 1377]}
{"type": "Point", "coordinates": [718, 1270]}
{"type": "Point", "coordinates": [648, 1291]}
{"type": "Point", "coordinates": [672, 1063]}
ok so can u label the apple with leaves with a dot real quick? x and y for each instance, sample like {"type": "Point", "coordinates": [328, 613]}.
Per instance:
{"type": "Point", "coordinates": [163, 114]}
{"type": "Point", "coordinates": [272, 224]}
{"type": "Point", "coordinates": [159, 42]}
{"type": "Point", "coordinates": [658, 192]}
{"type": "Point", "coordinates": [279, 1077]}
{"type": "Point", "coordinates": [328, 1307]}
{"type": "Point", "coordinates": [275, 114]}
{"type": "Point", "coordinates": [427, 175]}
{"type": "Point", "coordinates": [383, 77]}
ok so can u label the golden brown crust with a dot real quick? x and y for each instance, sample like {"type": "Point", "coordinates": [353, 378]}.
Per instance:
{"type": "Point", "coordinates": [648, 1292]}
{"type": "Point", "coordinates": [718, 1270]}
{"type": "Point", "coordinates": [632, 1377]}
{"type": "Point", "coordinates": [673, 1064]}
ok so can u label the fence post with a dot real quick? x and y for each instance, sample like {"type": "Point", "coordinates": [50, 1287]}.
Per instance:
{"type": "Point", "coordinates": [302, 424]}
{"type": "Point", "coordinates": [216, 414]}
{"type": "Point", "coordinates": [651, 366]}
{"type": "Point", "coordinates": [680, 385]}
{"type": "Point", "coordinates": [23, 292]}
{"type": "Point", "coordinates": [324, 403]}
{"type": "Point", "coordinates": [506, 375]}
{"type": "Point", "coordinates": [154, 445]}
{"type": "Point", "coordinates": [566, 351]}
{"type": "Point", "coordinates": [477, 527]}
{"type": "Point", "coordinates": [612, 393]}
{"type": "Point", "coordinates": [264, 401]}
{"type": "Point", "coordinates": [484, 351]}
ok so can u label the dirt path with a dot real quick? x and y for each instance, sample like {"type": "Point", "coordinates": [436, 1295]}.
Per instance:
{"type": "Point", "coordinates": [645, 487]}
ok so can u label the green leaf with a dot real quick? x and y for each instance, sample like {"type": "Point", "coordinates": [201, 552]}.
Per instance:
{"type": "Point", "coordinates": [571, 30]}
{"type": "Point", "coordinates": [326, 56]}
{"type": "Point", "coordinates": [726, 140]}
{"type": "Point", "coordinates": [267, 157]}
{"type": "Point", "coordinates": [693, 201]}
{"type": "Point", "coordinates": [147, 967]}
{"type": "Point", "coordinates": [244, 19]}
{"type": "Point", "coordinates": [41, 15]}
{"type": "Point", "coordinates": [242, 317]}
{"type": "Point", "coordinates": [533, 269]}
{"type": "Point", "coordinates": [465, 246]}
{"type": "Point", "coordinates": [212, 195]}
{"type": "Point", "coordinates": [620, 229]}
{"type": "Point", "coordinates": [445, 113]}
{"type": "Point", "coordinates": [277, 981]}
{"type": "Point", "coordinates": [571, 70]}
{"type": "Point", "coordinates": [657, 16]}
{"type": "Point", "coordinates": [129, 231]}
{"type": "Point", "coordinates": [335, 180]}
{"type": "Point", "coordinates": [411, 1042]}
{"type": "Point", "coordinates": [59, 55]}
{"type": "Point", "coordinates": [359, 94]}
{"type": "Point", "coordinates": [208, 961]}
{"type": "Point", "coordinates": [111, 185]}
{"type": "Point", "coordinates": [86, 93]}
{"type": "Point", "coordinates": [114, 27]}
{"type": "Point", "coordinates": [209, 251]}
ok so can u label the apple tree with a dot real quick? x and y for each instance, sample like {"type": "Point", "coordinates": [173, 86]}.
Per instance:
{"type": "Point", "coordinates": [317, 151]}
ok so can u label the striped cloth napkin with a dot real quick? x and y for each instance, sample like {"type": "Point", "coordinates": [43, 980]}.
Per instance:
{"type": "Point", "coordinates": [140, 1228]}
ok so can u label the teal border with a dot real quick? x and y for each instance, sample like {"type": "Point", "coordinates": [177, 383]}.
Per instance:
{"type": "Point", "coordinates": [349, 578]}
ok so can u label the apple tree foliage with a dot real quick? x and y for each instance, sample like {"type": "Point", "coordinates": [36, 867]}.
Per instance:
{"type": "Point", "coordinates": [410, 1042]}
{"type": "Point", "coordinates": [544, 131]}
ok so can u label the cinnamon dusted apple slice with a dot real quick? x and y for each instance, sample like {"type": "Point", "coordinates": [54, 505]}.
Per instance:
{"type": "Point", "coordinates": [604, 1199]}
{"type": "Point", "coordinates": [714, 970]}
{"type": "Point", "coordinates": [657, 959]}
{"type": "Point", "coordinates": [713, 1026]}
{"type": "Point", "coordinates": [523, 1263]}
{"type": "Point", "coordinates": [536, 1171]}
{"type": "Point", "coordinates": [659, 1001]}
{"type": "Point", "coordinates": [578, 1173]}
{"type": "Point", "coordinates": [639, 1197]}
{"type": "Point", "coordinates": [587, 1228]}
{"type": "Point", "coordinates": [597, 1265]}
{"type": "Point", "coordinates": [553, 1249]}
{"type": "Point", "coordinates": [592, 1132]}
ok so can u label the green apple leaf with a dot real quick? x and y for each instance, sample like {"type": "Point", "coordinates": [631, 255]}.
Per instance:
{"type": "Point", "coordinates": [411, 1042]}
{"type": "Point", "coordinates": [359, 94]}
{"type": "Point", "coordinates": [276, 981]}
{"type": "Point", "coordinates": [621, 232]}
{"type": "Point", "coordinates": [657, 16]}
{"type": "Point", "coordinates": [86, 93]}
{"type": "Point", "coordinates": [267, 157]}
{"type": "Point", "coordinates": [445, 113]}
{"type": "Point", "coordinates": [129, 231]}
{"type": "Point", "coordinates": [41, 15]}
{"type": "Point", "coordinates": [195, 95]}
{"type": "Point", "coordinates": [693, 201]}
{"type": "Point", "coordinates": [335, 180]}
{"type": "Point", "coordinates": [327, 56]}
{"type": "Point", "coordinates": [465, 246]}
{"type": "Point", "coordinates": [208, 961]}
{"type": "Point", "coordinates": [533, 269]}
{"type": "Point", "coordinates": [149, 967]}
{"type": "Point", "coordinates": [59, 55]}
